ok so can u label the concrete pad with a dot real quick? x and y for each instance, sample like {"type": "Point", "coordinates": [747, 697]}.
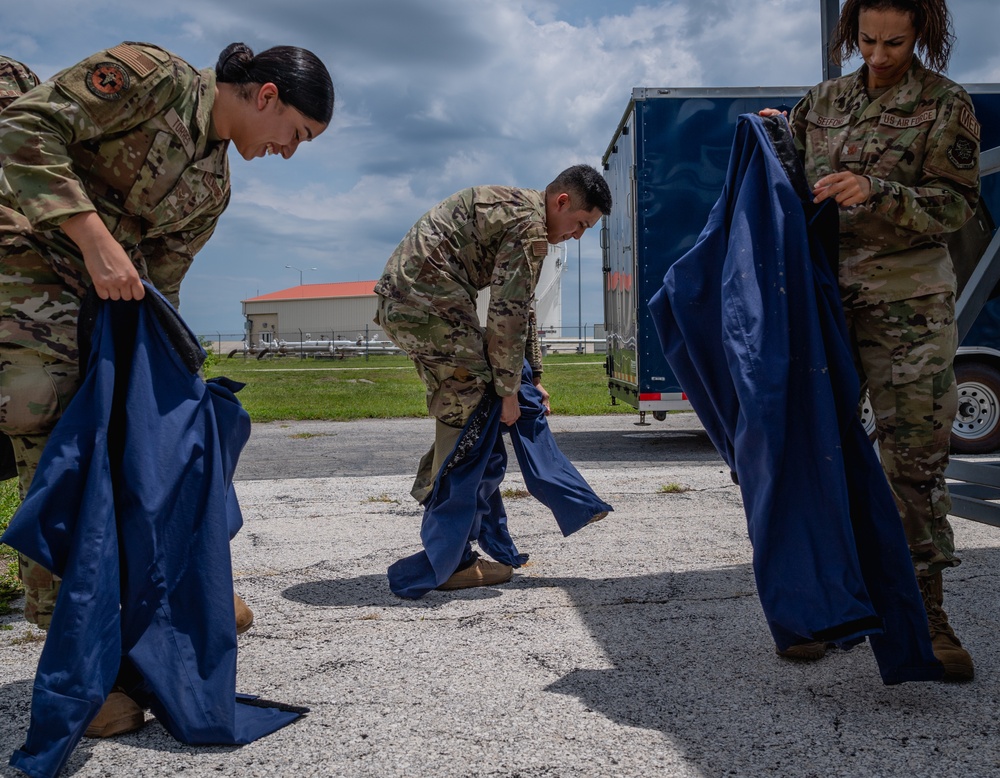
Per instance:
{"type": "Point", "coordinates": [636, 647]}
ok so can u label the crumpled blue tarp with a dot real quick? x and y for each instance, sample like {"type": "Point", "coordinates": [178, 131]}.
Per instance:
{"type": "Point", "coordinates": [465, 504]}
{"type": "Point", "coordinates": [751, 323]}
{"type": "Point", "coordinates": [133, 507]}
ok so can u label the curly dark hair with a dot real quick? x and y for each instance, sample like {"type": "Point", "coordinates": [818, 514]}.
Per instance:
{"type": "Point", "coordinates": [930, 18]}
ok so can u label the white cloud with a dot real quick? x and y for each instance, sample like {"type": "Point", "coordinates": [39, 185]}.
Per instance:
{"type": "Point", "coordinates": [436, 95]}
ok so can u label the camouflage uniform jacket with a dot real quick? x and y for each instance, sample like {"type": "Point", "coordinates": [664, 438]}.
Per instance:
{"type": "Point", "coordinates": [125, 133]}
{"type": "Point", "coordinates": [15, 80]}
{"type": "Point", "coordinates": [484, 236]}
{"type": "Point", "coordinates": [918, 144]}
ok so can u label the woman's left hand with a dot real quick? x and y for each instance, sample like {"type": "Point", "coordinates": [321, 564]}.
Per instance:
{"type": "Point", "coordinates": [846, 188]}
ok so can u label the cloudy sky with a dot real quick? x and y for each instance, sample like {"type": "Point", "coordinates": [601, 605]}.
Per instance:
{"type": "Point", "coordinates": [437, 95]}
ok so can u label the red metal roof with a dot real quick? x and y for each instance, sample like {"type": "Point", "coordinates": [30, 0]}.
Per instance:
{"type": "Point", "coordinates": [319, 291]}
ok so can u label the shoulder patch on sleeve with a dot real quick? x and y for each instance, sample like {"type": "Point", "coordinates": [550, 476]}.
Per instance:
{"type": "Point", "coordinates": [135, 58]}
{"type": "Point", "coordinates": [107, 80]}
{"type": "Point", "coordinates": [539, 248]}
{"type": "Point", "coordinates": [962, 153]}
{"type": "Point", "coordinates": [968, 120]}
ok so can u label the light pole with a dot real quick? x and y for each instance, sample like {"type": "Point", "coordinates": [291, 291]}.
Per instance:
{"type": "Point", "coordinates": [300, 272]}
{"type": "Point", "coordinates": [579, 298]}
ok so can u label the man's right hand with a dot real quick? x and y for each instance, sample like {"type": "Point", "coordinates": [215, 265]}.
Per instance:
{"type": "Point", "coordinates": [510, 409]}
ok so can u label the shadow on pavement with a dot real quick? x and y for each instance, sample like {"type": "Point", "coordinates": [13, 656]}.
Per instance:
{"type": "Point", "coordinates": [637, 445]}
{"type": "Point", "coordinates": [698, 665]}
{"type": "Point", "coordinates": [373, 591]}
{"type": "Point", "coordinates": [689, 656]}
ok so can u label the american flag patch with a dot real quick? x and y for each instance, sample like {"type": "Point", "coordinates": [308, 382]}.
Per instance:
{"type": "Point", "coordinates": [135, 59]}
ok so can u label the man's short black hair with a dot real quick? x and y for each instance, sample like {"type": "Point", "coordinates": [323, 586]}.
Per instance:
{"type": "Point", "coordinates": [585, 185]}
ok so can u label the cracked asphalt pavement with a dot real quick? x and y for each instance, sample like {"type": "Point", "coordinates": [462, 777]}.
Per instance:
{"type": "Point", "coordinates": [635, 647]}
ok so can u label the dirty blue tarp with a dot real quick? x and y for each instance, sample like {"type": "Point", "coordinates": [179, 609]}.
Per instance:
{"type": "Point", "coordinates": [133, 506]}
{"type": "Point", "coordinates": [465, 504]}
{"type": "Point", "coordinates": [750, 321]}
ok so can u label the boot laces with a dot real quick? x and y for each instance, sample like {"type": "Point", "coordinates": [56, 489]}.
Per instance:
{"type": "Point", "coordinates": [937, 619]}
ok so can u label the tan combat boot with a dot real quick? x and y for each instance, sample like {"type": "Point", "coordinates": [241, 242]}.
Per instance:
{"type": "Point", "coordinates": [947, 647]}
{"type": "Point", "coordinates": [804, 652]}
{"type": "Point", "coordinates": [119, 714]}
{"type": "Point", "coordinates": [244, 616]}
{"type": "Point", "coordinates": [483, 572]}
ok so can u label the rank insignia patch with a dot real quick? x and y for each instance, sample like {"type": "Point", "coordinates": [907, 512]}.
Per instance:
{"type": "Point", "coordinates": [962, 153]}
{"type": "Point", "coordinates": [108, 80]}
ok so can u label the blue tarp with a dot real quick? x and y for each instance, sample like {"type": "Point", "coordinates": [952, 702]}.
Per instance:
{"type": "Point", "coordinates": [750, 321]}
{"type": "Point", "coordinates": [465, 504]}
{"type": "Point", "coordinates": [133, 507]}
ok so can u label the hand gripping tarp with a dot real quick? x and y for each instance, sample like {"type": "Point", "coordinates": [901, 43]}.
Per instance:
{"type": "Point", "coordinates": [465, 504]}
{"type": "Point", "coordinates": [133, 507]}
{"type": "Point", "coordinates": [750, 321]}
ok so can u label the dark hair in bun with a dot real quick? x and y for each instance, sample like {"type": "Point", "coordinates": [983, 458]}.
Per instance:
{"type": "Point", "coordinates": [303, 81]}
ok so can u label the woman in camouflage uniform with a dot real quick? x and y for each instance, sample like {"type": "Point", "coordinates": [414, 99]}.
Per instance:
{"type": "Point", "coordinates": [115, 171]}
{"type": "Point", "coordinates": [896, 145]}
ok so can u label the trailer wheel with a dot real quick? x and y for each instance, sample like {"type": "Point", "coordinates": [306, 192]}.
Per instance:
{"type": "Point", "coordinates": [977, 424]}
{"type": "Point", "coordinates": [660, 415]}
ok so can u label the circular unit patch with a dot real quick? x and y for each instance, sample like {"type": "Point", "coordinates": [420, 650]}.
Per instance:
{"type": "Point", "coordinates": [107, 80]}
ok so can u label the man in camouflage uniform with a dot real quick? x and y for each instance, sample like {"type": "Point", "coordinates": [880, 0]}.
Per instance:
{"type": "Point", "coordinates": [486, 237]}
{"type": "Point", "coordinates": [915, 148]}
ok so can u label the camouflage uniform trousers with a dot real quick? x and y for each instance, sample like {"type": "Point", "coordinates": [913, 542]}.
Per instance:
{"type": "Point", "coordinates": [35, 389]}
{"type": "Point", "coordinates": [905, 352]}
{"type": "Point", "coordinates": [451, 361]}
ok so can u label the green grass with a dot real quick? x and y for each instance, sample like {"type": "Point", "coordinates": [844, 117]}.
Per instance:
{"type": "Point", "coordinates": [511, 493]}
{"type": "Point", "coordinates": [10, 587]}
{"type": "Point", "coordinates": [384, 387]}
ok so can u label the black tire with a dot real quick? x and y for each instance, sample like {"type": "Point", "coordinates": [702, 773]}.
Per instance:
{"type": "Point", "coordinates": [660, 415]}
{"type": "Point", "coordinates": [977, 425]}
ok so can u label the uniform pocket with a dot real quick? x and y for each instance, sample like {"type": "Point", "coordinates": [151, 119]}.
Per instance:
{"type": "Point", "coordinates": [398, 313]}
{"type": "Point", "coordinates": [34, 391]}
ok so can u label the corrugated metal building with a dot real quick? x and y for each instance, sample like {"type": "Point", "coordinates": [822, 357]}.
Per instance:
{"type": "Point", "coordinates": [344, 311]}
{"type": "Point", "coordinates": [313, 312]}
